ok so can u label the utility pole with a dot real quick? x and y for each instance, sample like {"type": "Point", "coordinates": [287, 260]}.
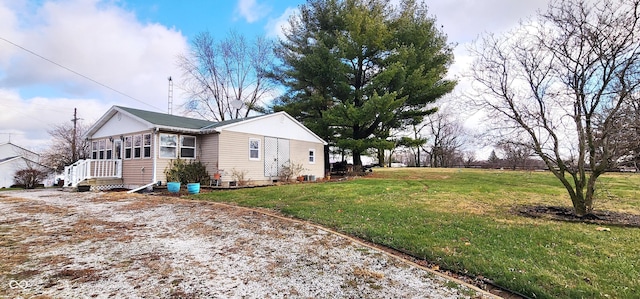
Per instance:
{"type": "Point", "coordinates": [74, 151]}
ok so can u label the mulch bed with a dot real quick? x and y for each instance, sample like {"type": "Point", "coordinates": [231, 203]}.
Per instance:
{"type": "Point", "coordinates": [566, 214]}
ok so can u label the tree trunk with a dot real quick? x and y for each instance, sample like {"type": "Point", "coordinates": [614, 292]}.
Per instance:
{"type": "Point", "coordinates": [579, 206]}
{"type": "Point", "coordinates": [381, 159]}
{"type": "Point", "coordinates": [357, 161]}
{"type": "Point", "coordinates": [327, 162]}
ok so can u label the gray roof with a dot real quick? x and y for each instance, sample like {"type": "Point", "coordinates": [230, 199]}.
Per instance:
{"type": "Point", "coordinates": [168, 120]}
{"type": "Point", "coordinates": [227, 122]}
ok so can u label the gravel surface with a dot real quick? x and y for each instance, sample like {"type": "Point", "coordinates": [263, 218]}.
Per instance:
{"type": "Point", "coordinates": [98, 245]}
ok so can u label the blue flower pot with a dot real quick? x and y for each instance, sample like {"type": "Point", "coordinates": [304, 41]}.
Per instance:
{"type": "Point", "coordinates": [173, 187]}
{"type": "Point", "coordinates": [193, 188]}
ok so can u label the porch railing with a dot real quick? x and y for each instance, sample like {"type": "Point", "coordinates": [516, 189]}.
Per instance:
{"type": "Point", "coordinates": [88, 169]}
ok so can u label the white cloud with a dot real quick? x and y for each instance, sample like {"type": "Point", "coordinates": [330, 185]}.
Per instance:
{"type": "Point", "coordinates": [251, 10]}
{"type": "Point", "coordinates": [275, 28]}
{"type": "Point", "coordinates": [28, 120]}
{"type": "Point", "coordinates": [94, 38]}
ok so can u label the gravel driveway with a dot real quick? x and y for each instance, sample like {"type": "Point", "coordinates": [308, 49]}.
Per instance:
{"type": "Point", "coordinates": [56, 244]}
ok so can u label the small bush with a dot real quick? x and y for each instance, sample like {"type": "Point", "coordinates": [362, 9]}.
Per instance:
{"type": "Point", "coordinates": [29, 177]}
{"type": "Point", "coordinates": [290, 170]}
{"type": "Point", "coordinates": [187, 172]}
{"type": "Point", "coordinates": [239, 176]}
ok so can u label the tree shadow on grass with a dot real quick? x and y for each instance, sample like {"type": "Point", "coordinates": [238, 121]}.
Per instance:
{"type": "Point", "coordinates": [566, 214]}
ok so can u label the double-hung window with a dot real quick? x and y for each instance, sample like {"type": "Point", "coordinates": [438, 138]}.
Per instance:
{"type": "Point", "coordinates": [146, 146]}
{"type": "Point", "coordinates": [312, 156]}
{"type": "Point", "coordinates": [94, 150]}
{"type": "Point", "coordinates": [254, 149]}
{"type": "Point", "coordinates": [168, 146]}
{"type": "Point", "coordinates": [127, 147]}
{"type": "Point", "coordinates": [137, 146]}
{"type": "Point", "coordinates": [109, 149]}
{"type": "Point", "coordinates": [102, 144]}
{"type": "Point", "coordinates": [187, 146]}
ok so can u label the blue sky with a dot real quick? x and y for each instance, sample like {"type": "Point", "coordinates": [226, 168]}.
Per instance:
{"type": "Point", "coordinates": [131, 46]}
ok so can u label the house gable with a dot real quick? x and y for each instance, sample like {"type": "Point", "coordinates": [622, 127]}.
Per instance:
{"type": "Point", "coordinates": [9, 149]}
{"type": "Point", "coordinates": [279, 125]}
{"type": "Point", "coordinates": [120, 123]}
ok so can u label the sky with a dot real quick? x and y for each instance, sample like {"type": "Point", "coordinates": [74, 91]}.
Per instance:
{"type": "Point", "coordinates": [57, 56]}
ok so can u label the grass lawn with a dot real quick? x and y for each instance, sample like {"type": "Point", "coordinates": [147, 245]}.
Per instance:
{"type": "Point", "coordinates": [461, 219]}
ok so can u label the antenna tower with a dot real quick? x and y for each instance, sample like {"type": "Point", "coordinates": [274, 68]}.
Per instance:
{"type": "Point", "coordinates": [170, 104]}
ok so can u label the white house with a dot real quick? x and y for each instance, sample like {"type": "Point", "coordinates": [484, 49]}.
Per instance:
{"type": "Point", "coordinates": [133, 147]}
{"type": "Point", "coordinates": [14, 158]}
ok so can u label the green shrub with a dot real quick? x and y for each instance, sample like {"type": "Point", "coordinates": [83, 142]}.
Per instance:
{"type": "Point", "coordinates": [187, 172]}
{"type": "Point", "coordinates": [30, 178]}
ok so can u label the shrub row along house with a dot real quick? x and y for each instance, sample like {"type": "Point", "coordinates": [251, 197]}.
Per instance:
{"type": "Point", "coordinates": [132, 148]}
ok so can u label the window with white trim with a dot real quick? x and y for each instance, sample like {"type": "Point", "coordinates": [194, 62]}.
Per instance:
{"type": "Point", "coordinates": [312, 156]}
{"type": "Point", "coordinates": [254, 149]}
{"type": "Point", "coordinates": [109, 149]}
{"type": "Point", "coordinates": [146, 146]}
{"type": "Point", "coordinates": [168, 146]}
{"type": "Point", "coordinates": [187, 146]}
{"type": "Point", "coordinates": [127, 147]}
{"type": "Point", "coordinates": [137, 146]}
{"type": "Point", "coordinates": [94, 150]}
{"type": "Point", "coordinates": [102, 146]}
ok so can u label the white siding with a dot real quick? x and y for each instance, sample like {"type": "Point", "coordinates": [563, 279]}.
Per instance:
{"type": "Point", "coordinates": [274, 125]}
{"type": "Point", "coordinates": [300, 154]}
{"type": "Point", "coordinates": [234, 155]}
{"type": "Point", "coordinates": [119, 124]}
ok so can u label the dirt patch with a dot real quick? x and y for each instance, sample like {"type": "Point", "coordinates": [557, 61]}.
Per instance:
{"type": "Point", "coordinates": [566, 214]}
{"type": "Point", "coordinates": [137, 246]}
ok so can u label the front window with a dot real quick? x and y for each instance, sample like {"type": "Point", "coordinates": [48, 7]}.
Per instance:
{"type": "Point", "coordinates": [146, 143]}
{"type": "Point", "coordinates": [127, 147]}
{"type": "Point", "coordinates": [109, 149]}
{"type": "Point", "coordinates": [137, 146]}
{"type": "Point", "coordinates": [102, 146]}
{"type": "Point", "coordinates": [254, 149]}
{"type": "Point", "coordinates": [168, 146]}
{"type": "Point", "coordinates": [187, 147]}
{"type": "Point", "coordinates": [94, 150]}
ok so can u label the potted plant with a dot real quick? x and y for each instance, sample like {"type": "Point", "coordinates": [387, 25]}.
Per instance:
{"type": "Point", "coordinates": [173, 174]}
{"type": "Point", "coordinates": [195, 174]}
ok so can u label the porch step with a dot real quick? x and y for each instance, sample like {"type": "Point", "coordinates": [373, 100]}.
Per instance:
{"type": "Point", "coordinates": [102, 183]}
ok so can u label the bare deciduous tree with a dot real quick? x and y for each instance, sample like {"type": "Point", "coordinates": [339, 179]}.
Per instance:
{"type": "Point", "coordinates": [446, 139]}
{"type": "Point", "coordinates": [227, 79]}
{"type": "Point", "coordinates": [61, 153]}
{"type": "Point", "coordinates": [560, 82]}
{"type": "Point", "coordinates": [516, 154]}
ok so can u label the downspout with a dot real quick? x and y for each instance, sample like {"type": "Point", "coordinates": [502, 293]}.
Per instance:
{"type": "Point", "coordinates": [155, 155]}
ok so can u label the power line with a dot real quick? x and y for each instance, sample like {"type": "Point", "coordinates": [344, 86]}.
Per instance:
{"type": "Point", "coordinates": [77, 73]}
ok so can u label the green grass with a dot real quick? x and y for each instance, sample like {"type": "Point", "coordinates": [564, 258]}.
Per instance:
{"type": "Point", "coordinates": [10, 189]}
{"type": "Point", "coordinates": [462, 220]}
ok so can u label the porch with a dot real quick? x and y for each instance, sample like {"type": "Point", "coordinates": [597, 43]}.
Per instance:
{"type": "Point", "coordinates": [99, 174]}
